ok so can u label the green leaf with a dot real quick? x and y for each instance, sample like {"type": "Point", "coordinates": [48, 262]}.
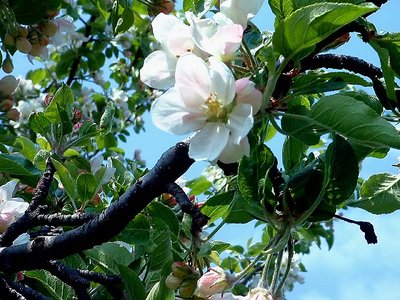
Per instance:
{"type": "Point", "coordinates": [137, 232]}
{"type": "Point", "coordinates": [132, 283]}
{"type": "Point", "coordinates": [199, 185]}
{"type": "Point", "coordinates": [57, 289]}
{"type": "Point", "coordinates": [199, 7]}
{"type": "Point", "coordinates": [218, 206]}
{"type": "Point", "coordinates": [162, 253]}
{"type": "Point", "coordinates": [281, 8]}
{"type": "Point", "coordinates": [124, 22]}
{"type": "Point", "coordinates": [26, 147]}
{"type": "Point", "coordinates": [159, 210]}
{"type": "Point", "coordinates": [350, 118]}
{"type": "Point", "coordinates": [293, 152]}
{"type": "Point", "coordinates": [109, 256]}
{"type": "Point", "coordinates": [342, 161]}
{"type": "Point", "coordinates": [380, 194]}
{"type": "Point", "coordinates": [159, 292]}
{"type": "Point", "coordinates": [59, 110]}
{"type": "Point", "coordinates": [297, 35]}
{"type": "Point", "coordinates": [86, 185]}
{"type": "Point", "coordinates": [39, 123]}
{"type": "Point", "coordinates": [19, 167]}
{"type": "Point", "coordinates": [390, 42]}
{"type": "Point", "coordinates": [66, 179]}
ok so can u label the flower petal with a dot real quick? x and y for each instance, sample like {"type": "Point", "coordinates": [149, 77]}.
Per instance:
{"type": "Point", "coordinates": [240, 121]}
{"type": "Point", "coordinates": [181, 41]}
{"type": "Point", "coordinates": [209, 142]}
{"type": "Point", "coordinates": [240, 11]}
{"type": "Point", "coordinates": [247, 93]}
{"type": "Point", "coordinates": [192, 78]}
{"type": "Point", "coordinates": [7, 190]}
{"type": "Point", "coordinates": [233, 152]}
{"type": "Point", "coordinates": [158, 70]}
{"type": "Point", "coordinates": [222, 81]}
{"type": "Point", "coordinates": [171, 114]}
{"type": "Point", "coordinates": [162, 25]}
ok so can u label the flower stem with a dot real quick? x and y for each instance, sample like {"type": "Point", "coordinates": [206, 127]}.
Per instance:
{"type": "Point", "coordinates": [288, 266]}
{"type": "Point", "coordinates": [216, 229]}
{"type": "Point", "coordinates": [277, 270]}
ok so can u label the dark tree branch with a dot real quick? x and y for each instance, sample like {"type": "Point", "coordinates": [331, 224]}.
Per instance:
{"type": "Point", "coordinates": [25, 222]}
{"type": "Point", "coordinates": [172, 164]}
{"type": "Point", "coordinates": [77, 60]}
{"type": "Point", "coordinates": [366, 227]}
{"type": "Point", "coordinates": [76, 219]}
{"type": "Point", "coordinates": [27, 291]}
{"type": "Point", "coordinates": [110, 282]}
{"type": "Point", "coordinates": [71, 277]}
{"type": "Point", "coordinates": [8, 292]}
{"type": "Point", "coordinates": [198, 219]}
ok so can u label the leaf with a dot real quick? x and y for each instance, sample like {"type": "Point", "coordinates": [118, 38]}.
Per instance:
{"type": "Point", "coordinates": [109, 256]}
{"type": "Point", "coordinates": [19, 167]}
{"type": "Point", "coordinates": [61, 102]}
{"type": "Point", "coordinates": [86, 185]}
{"type": "Point", "coordinates": [124, 22]}
{"type": "Point", "coordinates": [137, 232]}
{"type": "Point", "coordinates": [162, 253]}
{"type": "Point", "coordinates": [159, 293]}
{"type": "Point", "coordinates": [199, 185]}
{"type": "Point", "coordinates": [132, 283]}
{"type": "Point", "coordinates": [26, 147]}
{"type": "Point", "coordinates": [218, 206]}
{"type": "Point", "coordinates": [350, 118]}
{"type": "Point", "coordinates": [342, 161]}
{"type": "Point", "coordinates": [39, 123]}
{"type": "Point", "coordinates": [55, 287]}
{"type": "Point", "coordinates": [66, 179]}
{"type": "Point", "coordinates": [293, 152]}
{"type": "Point", "coordinates": [380, 194]}
{"type": "Point", "coordinates": [297, 35]}
{"type": "Point", "coordinates": [159, 210]}
{"type": "Point", "coordinates": [281, 8]}
{"type": "Point", "coordinates": [199, 7]}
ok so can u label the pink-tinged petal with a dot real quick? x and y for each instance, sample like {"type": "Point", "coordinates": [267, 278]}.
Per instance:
{"type": "Point", "coordinates": [8, 84]}
{"type": "Point", "coordinates": [222, 81]}
{"type": "Point", "coordinates": [240, 11]}
{"type": "Point", "coordinates": [202, 31]}
{"type": "Point", "coordinates": [209, 142]}
{"type": "Point", "coordinates": [193, 77]}
{"type": "Point", "coordinates": [234, 152]}
{"type": "Point", "coordinates": [247, 93]}
{"type": "Point", "coordinates": [158, 70]}
{"type": "Point", "coordinates": [17, 208]}
{"type": "Point", "coordinates": [181, 41]}
{"type": "Point", "coordinates": [228, 39]}
{"type": "Point", "coordinates": [162, 25]}
{"type": "Point", "coordinates": [240, 121]}
{"type": "Point", "coordinates": [171, 114]}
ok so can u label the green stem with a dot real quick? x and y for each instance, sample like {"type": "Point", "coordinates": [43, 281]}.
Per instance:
{"type": "Point", "coordinates": [246, 50]}
{"type": "Point", "coordinates": [264, 275]}
{"type": "Point", "coordinates": [273, 122]}
{"type": "Point", "coordinates": [277, 270]}
{"type": "Point", "coordinates": [216, 229]}
{"type": "Point", "coordinates": [288, 267]}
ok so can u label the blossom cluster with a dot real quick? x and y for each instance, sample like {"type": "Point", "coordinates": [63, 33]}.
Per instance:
{"type": "Point", "coordinates": [202, 95]}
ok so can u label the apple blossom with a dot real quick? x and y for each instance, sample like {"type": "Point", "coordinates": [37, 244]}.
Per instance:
{"type": "Point", "coordinates": [11, 208]}
{"type": "Point", "coordinates": [175, 39]}
{"type": "Point", "coordinates": [203, 101]}
{"type": "Point", "coordinates": [96, 168]}
{"type": "Point", "coordinates": [218, 36]}
{"type": "Point", "coordinates": [214, 281]}
{"type": "Point", "coordinates": [227, 296]}
{"type": "Point", "coordinates": [259, 294]}
{"type": "Point", "coordinates": [240, 11]}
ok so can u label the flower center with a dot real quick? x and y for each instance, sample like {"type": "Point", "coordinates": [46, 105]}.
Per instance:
{"type": "Point", "coordinates": [215, 111]}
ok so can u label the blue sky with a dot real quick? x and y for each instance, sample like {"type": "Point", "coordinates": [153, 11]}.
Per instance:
{"type": "Point", "coordinates": [352, 269]}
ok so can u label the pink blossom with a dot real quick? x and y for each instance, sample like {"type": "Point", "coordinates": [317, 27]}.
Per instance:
{"type": "Point", "coordinates": [214, 281]}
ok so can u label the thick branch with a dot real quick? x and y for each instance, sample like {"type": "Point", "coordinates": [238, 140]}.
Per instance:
{"type": "Point", "coordinates": [110, 282]}
{"type": "Point", "coordinates": [172, 164]}
{"type": "Point", "coordinates": [26, 291]}
{"type": "Point", "coordinates": [8, 292]}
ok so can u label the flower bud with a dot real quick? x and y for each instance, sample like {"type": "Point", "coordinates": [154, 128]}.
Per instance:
{"type": "Point", "coordinates": [36, 50]}
{"type": "Point", "coordinates": [49, 28]}
{"type": "Point", "coordinates": [23, 32]}
{"type": "Point", "coordinates": [13, 115]}
{"type": "Point", "coordinates": [259, 294]}
{"type": "Point", "coordinates": [23, 45]}
{"type": "Point", "coordinates": [181, 269]}
{"type": "Point", "coordinates": [8, 65]}
{"type": "Point", "coordinates": [173, 282]}
{"type": "Point", "coordinates": [6, 105]}
{"type": "Point", "coordinates": [214, 281]}
{"type": "Point", "coordinates": [187, 288]}
{"type": "Point", "coordinates": [8, 84]}
{"type": "Point", "coordinates": [9, 40]}
{"type": "Point", "coordinates": [167, 7]}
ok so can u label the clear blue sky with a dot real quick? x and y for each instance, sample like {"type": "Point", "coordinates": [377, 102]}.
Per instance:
{"type": "Point", "coordinates": [351, 270]}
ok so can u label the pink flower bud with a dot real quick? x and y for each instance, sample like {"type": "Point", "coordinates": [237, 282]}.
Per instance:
{"type": "Point", "coordinates": [8, 65]}
{"type": "Point", "coordinates": [8, 84]}
{"type": "Point", "coordinates": [167, 7]}
{"type": "Point", "coordinates": [214, 281]}
{"type": "Point", "coordinates": [9, 40]}
{"type": "Point", "coordinates": [173, 282]}
{"type": "Point", "coordinates": [23, 45]}
{"type": "Point", "coordinates": [6, 105]}
{"type": "Point", "coordinates": [49, 28]}
{"type": "Point", "coordinates": [181, 269]}
{"type": "Point", "coordinates": [259, 294]}
{"type": "Point", "coordinates": [187, 288]}
{"type": "Point", "coordinates": [13, 114]}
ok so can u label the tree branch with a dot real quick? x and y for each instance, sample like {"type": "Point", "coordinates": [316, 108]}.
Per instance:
{"type": "Point", "coordinates": [172, 164]}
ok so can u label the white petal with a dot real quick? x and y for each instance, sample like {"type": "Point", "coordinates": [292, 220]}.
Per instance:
{"type": "Point", "coordinates": [181, 41]}
{"type": "Point", "coordinates": [162, 25]}
{"type": "Point", "coordinates": [96, 162]}
{"type": "Point", "coordinates": [158, 70]}
{"type": "Point", "coordinates": [247, 93]}
{"type": "Point", "coordinates": [222, 81]}
{"type": "Point", "coordinates": [202, 31]}
{"type": "Point", "coordinates": [16, 207]}
{"type": "Point", "coordinates": [240, 121]}
{"type": "Point", "coordinates": [209, 142]}
{"type": "Point", "coordinates": [171, 114]}
{"type": "Point", "coordinates": [7, 190]}
{"type": "Point", "coordinates": [240, 11]}
{"type": "Point", "coordinates": [193, 77]}
{"type": "Point", "coordinates": [233, 152]}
